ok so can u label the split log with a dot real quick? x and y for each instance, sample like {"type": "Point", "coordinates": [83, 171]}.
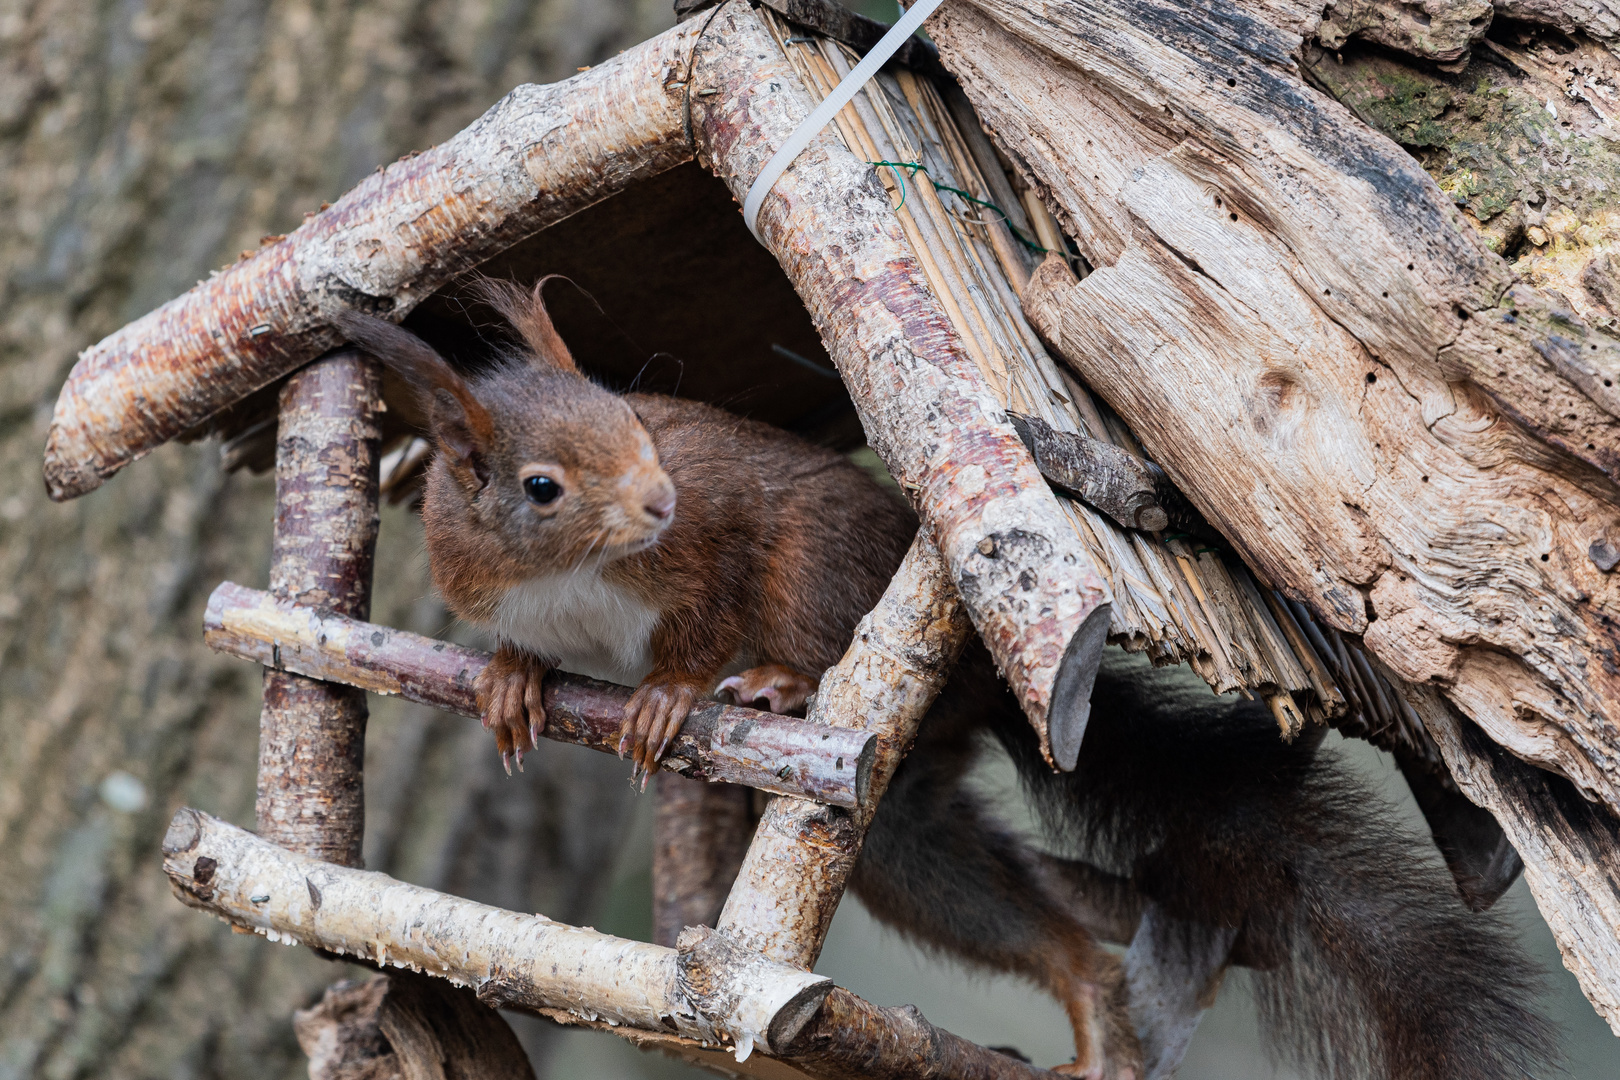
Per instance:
{"type": "Point", "coordinates": [710, 990]}
{"type": "Point", "coordinates": [1302, 330]}
{"type": "Point", "coordinates": [1571, 847]}
{"type": "Point", "coordinates": [312, 734]}
{"type": "Point", "coordinates": [700, 837]}
{"type": "Point", "coordinates": [717, 742]}
{"type": "Point", "coordinates": [796, 869]}
{"type": "Point", "coordinates": [539, 155]}
{"type": "Point", "coordinates": [1028, 581]}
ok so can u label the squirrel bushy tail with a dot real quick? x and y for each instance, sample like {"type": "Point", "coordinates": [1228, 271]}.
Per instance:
{"type": "Point", "coordinates": [1369, 965]}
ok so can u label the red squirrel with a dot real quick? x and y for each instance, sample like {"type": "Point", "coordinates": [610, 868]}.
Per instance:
{"type": "Point", "coordinates": [604, 534]}
{"type": "Point", "coordinates": [672, 546]}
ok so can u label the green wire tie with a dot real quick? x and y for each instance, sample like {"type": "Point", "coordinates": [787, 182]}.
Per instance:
{"type": "Point", "coordinates": [917, 166]}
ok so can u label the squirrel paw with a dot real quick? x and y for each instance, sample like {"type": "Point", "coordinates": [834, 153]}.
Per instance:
{"type": "Point", "coordinates": [509, 702]}
{"type": "Point", "coordinates": [1106, 1043]}
{"type": "Point", "coordinates": [782, 689]}
{"type": "Point", "coordinates": [653, 717]}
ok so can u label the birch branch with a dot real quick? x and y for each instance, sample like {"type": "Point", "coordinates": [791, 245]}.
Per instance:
{"type": "Point", "coordinates": [710, 990]}
{"type": "Point", "coordinates": [799, 862]}
{"type": "Point", "coordinates": [508, 958]}
{"type": "Point", "coordinates": [537, 156]}
{"type": "Point", "coordinates": [312, 734]}
{"type": "Point", "coordinates": [1029, 583]}
{"type": "Point", "coordinates": [718, 742]}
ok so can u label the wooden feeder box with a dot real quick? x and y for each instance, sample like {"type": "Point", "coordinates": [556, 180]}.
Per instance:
{"type": "Point", "coordinates": [884, 310]}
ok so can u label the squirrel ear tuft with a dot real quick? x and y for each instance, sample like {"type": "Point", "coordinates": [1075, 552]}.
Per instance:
{"type": "Point", "coordinates": [525, 309]}
{"type": "Point", "coordinates": [460, 424]}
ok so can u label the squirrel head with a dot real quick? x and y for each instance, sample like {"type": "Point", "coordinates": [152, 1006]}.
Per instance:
{"type": "Point", "coordinates": [556, 469]}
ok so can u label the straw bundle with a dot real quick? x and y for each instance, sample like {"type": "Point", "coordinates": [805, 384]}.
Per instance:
{"type": "Point", "coordinates": [1175, 597]}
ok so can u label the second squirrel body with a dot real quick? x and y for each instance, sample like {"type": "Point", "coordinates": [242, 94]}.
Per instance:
{"type": "Point", "coordinates": [671, 546]}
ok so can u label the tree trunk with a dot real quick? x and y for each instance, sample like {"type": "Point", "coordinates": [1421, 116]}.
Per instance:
{"type": "Point", "coordinates": [141, 146]}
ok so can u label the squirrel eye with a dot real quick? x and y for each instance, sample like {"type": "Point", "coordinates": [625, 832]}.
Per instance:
{"type": "Point", "coordinates": [542, 489]}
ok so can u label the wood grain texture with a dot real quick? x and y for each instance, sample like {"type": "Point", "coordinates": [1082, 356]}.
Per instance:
{"type": "Point", "coordinates": [1281, 287]}
{"type": "Point", "coordinates": [1571, 847]}
{"type": "Point", "coordinates": [1029, 583]}
{"type": "Point", "coordinates": [538, 155]}
{"type": "Point", "coordinates": [718, 742]}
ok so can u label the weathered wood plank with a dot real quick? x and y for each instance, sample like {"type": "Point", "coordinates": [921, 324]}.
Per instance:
{"type": "Point", "coordinates": [1570, 847]}
{"type": "Point", "coordinates": [1303, 331]}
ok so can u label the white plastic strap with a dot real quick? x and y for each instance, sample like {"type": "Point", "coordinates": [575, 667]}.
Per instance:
{"type": "Point", "coordinates": [847, 88]}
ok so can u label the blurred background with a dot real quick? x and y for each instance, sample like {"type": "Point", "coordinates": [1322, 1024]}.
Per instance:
{"type": "Point", "coordinates": [142, 144]}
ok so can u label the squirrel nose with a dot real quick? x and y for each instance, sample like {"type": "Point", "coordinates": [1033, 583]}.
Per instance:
{"type": "Point", "coordinates": [660, 505]}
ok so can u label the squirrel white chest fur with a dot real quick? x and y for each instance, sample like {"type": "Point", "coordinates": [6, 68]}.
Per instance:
{"type": "Point", "coordinates": [587, 625]}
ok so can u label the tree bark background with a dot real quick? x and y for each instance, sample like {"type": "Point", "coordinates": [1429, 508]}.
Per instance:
{"type": "Point", "coordinates": [141, 145]}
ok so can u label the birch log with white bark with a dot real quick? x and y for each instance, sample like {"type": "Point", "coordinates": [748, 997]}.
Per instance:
{"type": "Point", "coordinates": [1028, 580]}
{"type": "Point", "coordinates": [540, 154]}
{"type": "Point", "coordinates": [509, 958]}
{"type": "Point", "coordinates": [710, 990]}
{"type": "Point", "coordinates": [799, 862]}
{"type": "Point", "coordinates": [1302, 329]}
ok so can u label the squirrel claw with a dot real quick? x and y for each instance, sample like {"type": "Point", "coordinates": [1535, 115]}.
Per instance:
{"type": "Point", "coordinates": [652, 717]}
{"type": "Point", "coordinates": [506, 760]}
{"type": "Point", "coordinates": [509, 702]}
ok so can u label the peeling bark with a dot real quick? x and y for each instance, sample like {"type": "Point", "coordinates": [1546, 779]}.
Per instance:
{"type": "Point", "coordinates": [312, 734]}
{"type": "Point", "coordinates": [1279, 286]}
{"type": "Point", "coordinates": [718, 742]}
{"type": "Point", "coordinates": [385, 246]}
{"type": "Point", "coordinates": [1029, 583]}
{"type": "Point", "coordinates": [802, 855]}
